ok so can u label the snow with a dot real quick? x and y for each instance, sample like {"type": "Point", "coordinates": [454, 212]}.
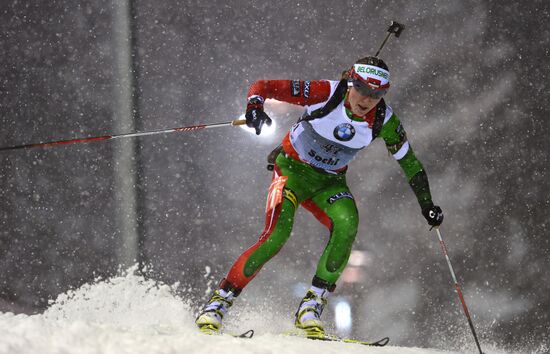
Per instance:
{"type": "Point", "coordinates": [129, 314]}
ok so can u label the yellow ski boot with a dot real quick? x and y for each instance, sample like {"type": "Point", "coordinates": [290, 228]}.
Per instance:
{"type": "Point", "coordinates": [210, 319]}
{"type": "Point", "coordinates": [308, 316]}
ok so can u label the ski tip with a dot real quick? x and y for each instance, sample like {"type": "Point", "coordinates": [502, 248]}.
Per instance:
{"type": "Point", "coordinates": [248, 334]}
{"type": "Point", "coordinates": [382, 342]}
{"type": "Point", "coordinates": [216, 332]}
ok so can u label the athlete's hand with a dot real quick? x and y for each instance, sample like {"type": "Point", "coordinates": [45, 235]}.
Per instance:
{"type": "Point", "coordinates": [255, 115]}
{"type": "Point", "coordinates": [433, 214]}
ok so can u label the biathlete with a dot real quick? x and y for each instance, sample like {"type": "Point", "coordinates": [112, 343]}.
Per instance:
{"type": "Point", "coordinates": [341, 118]}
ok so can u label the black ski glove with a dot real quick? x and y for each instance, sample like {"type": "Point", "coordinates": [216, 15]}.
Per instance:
{"type": "Point", "coordinates": [255, 115]}
{"type": "Point", "coordinates": [433, 214]}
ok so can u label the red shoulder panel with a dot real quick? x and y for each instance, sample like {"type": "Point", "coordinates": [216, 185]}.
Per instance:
{"type": "Point", "coordinates": [292, 91]}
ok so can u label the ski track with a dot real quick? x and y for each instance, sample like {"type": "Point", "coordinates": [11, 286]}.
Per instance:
{"type": "Point", "coordinates": [128, 314]}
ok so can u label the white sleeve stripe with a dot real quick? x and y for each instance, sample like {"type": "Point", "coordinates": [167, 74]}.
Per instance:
{"type": "Point", "coordinates": [333, 86]}
{"type": "Point", "coordinates": [389, 113]}
{"type": "Point", "coordinates": [401, 153]}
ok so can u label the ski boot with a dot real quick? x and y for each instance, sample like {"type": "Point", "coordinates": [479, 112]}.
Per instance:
{"type": "Point", "coordinates": [210, 319]}
{"type": "Point", "coordinates": [308, 316]}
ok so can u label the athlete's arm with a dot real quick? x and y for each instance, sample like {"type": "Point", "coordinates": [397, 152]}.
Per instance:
{"type": "Point", "coordinates": [395, 137]}
{"type": "Point", "coordinates": [303, 93]}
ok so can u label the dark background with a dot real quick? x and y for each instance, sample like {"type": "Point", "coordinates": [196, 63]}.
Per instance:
{"type": "Point", "coordinates": [469, 83]}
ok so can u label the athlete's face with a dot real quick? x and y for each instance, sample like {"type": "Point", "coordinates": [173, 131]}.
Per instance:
{"type": "Point", "coordinates": [361, 105]}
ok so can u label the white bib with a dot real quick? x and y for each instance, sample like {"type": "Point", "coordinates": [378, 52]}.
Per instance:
{"type": "Point", "coordinates": [332, 141]}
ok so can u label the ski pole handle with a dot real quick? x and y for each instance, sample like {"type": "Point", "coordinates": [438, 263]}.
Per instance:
{"type": "Point", "coordinates": [238, 122]}
{"type": "Point", "coordinates": [395, 28]}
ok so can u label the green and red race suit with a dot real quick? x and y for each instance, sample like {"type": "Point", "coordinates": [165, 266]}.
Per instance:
{"type": "Point", "coordinates": [311, 171]}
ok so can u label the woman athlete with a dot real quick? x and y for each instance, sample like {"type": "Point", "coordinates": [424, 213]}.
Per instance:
{"type": "Point", "coordinates": [341, 118]}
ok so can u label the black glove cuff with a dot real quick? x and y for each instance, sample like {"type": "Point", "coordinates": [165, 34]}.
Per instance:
{"type": "Point", "coordinates": [433, 214]}
{"type": "Point", "coordinates": [427, 207]}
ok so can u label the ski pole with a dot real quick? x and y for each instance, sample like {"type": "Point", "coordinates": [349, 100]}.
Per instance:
{"type": "Point", "coordinates": [126, 135]}
{"type": "Point", "coordinates": [457, 287]}
{"type": "Point", "coordinates": [395, 28]}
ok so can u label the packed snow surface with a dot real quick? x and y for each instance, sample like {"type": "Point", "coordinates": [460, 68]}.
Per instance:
{"type": "Point", "coordinates": [129, 314]}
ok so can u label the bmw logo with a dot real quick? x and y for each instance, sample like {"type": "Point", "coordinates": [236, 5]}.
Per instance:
{"type": "Point", "coordinates": [344, 132]}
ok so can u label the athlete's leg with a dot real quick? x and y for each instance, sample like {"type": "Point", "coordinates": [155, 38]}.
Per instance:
{"type": "Point", "coordinates": [336, 209]}
{"type": "Point", "coordinates": [292, 183]}
{"type": "Point", "coordinates": [280, 209]}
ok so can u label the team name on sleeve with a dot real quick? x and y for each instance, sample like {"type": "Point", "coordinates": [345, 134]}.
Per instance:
{"type": "Point", "coordinates": [299, 88]}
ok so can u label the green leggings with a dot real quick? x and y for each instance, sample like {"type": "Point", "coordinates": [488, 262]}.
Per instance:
{"type": "Point", "coordinates": [327, 196]}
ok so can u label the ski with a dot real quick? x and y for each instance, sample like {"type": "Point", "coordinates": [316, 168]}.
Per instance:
{"type": "Point", "coordinates": [325, 337]}
{"type": "Point", "coordinates": [211, 330]}
{"type": "Point", "coordinates": [332, 338]}
{"type": "Point", "coordinates": [379, 343]}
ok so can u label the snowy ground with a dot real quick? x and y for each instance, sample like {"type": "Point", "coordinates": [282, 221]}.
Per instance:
{"type": "Point", "coordinates": [128, 314]}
